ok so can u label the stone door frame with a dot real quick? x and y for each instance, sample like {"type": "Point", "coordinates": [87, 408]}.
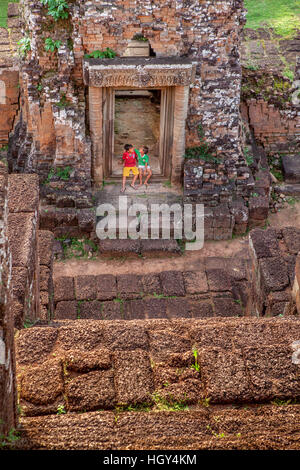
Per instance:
{"type": "Point", "coordinates": [172, 76]}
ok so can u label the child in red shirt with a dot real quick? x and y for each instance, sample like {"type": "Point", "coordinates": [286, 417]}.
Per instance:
{"type": "Point", "coordinates": [129, 161]}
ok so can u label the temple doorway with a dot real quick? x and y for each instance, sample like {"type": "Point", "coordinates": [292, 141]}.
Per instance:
{"type": "Point", "coordinates": [137, 122]}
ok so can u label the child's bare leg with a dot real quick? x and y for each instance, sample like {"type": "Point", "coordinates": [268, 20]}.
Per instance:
{"type": "Point", "coordinates": [123, 184]}
{"type": "Point", "coordinates": [148, 177]}
{"type": "Point", "coordinates": [134, 180]}
{"type": "Point", "coordinates": [141, 177]}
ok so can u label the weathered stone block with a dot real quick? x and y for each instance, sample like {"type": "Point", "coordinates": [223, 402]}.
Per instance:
{"type": "Point", "coordinates": [273, 272]}
{"type": "Point", "coordinates": [224, 375]}
{"type": "Point", "coordinates": [112, 310]}
{"type": "Point", "coordinates": [106, 287]}
{"type": "Point", "coordinates": [291, 236]}
{"type": "Point", "coordinates": [23, 193]}
{"type": "Point", "coordinates": [89, 310]}
{"type": "Point", "coordinates": [147, 308]}
{"type": "Point", "coordinates": [91, 360]}
{"type": "Point", "coordinates": [264, 243]}
{"type": "Point", "coordinates": [66, 309]}
{"type": "Point", "coordinates": [271, 372]}
{"type": "Point", "coordinates": [151, 284]}
{"type": "Point", "coordinates": [195, 282]}
{"type": "Point", "coordinates": [258, 208]}
{"type": "Point", "coordinates": [172, 283]}
{"type": "Point", "coordinates": [227, 307]}
{"type": "Point", "coordinates": [133, 377]}
{"type": "Point", "coordinates": [64, 288]}
{"type": "Point", "coordinates": [86, 287]}
{"type": "Point", "coordinates": [41, 385]}
{"type": "Point", "coordinates": [129, 286]}
{"type": "Point", "coordinates": [218, 280]}
{"type": "Point", "coordinates": [45, 247]}
{"type": "Point", "coordinates": [91, 391]}
{"type": "Point", "coordinates": [126, 339]}
{"type": "Point", "coordinates": [35, 344]}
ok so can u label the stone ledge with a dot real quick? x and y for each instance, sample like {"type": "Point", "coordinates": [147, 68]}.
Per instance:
{"type": "Point", "coordinates": [263, 427]}
{"type": "Point", "coordinates": [138, 72]}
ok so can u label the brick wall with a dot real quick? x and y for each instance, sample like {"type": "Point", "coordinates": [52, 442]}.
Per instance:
{"type": "Point", "coordinates": [9, 96]}
{"type": "Point", "coordinates": [7, 354]}
{"type": "Point", "coordinates": [273, 256]}
{"type": "Point", "coordinates": [206, 32]}
{"type": "Point", "coordinates": [23, 220]}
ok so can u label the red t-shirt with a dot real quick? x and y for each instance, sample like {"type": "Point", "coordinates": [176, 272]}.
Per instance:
{"type": "Point", "coordinates": [130, 158]}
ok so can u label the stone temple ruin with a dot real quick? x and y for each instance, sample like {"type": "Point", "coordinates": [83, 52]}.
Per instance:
{"type": "Point", "coordinates": [202, 339]}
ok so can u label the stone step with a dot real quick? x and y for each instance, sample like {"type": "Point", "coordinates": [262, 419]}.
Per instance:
{"type": "Point", "coordinates": [92, 373]}
{"type": "Point", "coordinates": [288, 189]}
{"type": "Point", "coordinates": [121, 248]}
{"type": "Point", "coordinates": [291, 168]}
{"type": "Point", "coordinates": [229, 428]}
{"type": "Point", "coordinates": [221, 291]}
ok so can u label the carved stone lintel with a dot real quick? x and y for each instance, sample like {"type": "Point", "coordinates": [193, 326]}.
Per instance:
{"type": "Point", "coordinates": [138, 76]}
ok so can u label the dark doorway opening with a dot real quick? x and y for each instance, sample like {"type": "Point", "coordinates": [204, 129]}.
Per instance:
{"type": "Point", "coordinates": [137, 121]}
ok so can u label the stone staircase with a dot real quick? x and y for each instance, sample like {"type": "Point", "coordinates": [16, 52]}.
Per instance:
{"type": "Point", "coordinates": [291, 172]}
{"type": "Point", "coordinates": [219, 288]}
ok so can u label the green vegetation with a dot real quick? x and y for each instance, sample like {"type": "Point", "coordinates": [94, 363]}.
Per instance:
{"type": "Point", "coordinates": [201, 151]}
{"type": "Point", "coordinates": [196, 365]}
{"type": "Point", "coordinates": [163, 404]}
{"type": "Point", "coordinates": [51, 44]}
{"type": "Point", "coordinates": [137, 407]}
{"type": "Point", "coordinates": [3, 11]}
{"type": "Point", "coordinates": [205, 402]}
{"type": "Point", "coordinates": [10, 439]}
{"type": "Point", "coordinates": [24, 46]}
{"type": "Point", "coordinates": [167, 184]}
{"type": "Point", "coordinates": [248, 156]}
{"type": "Point", "coordinates": [63, 102]}
{"type": "Point", "coordinates": [77, 248]}
{"type": "Point", "coordinates": [281, 15]}
{"type": "Point", "coordinates": [106, 54]}
{"type": "Point", "coordinates": [58, 9]}
{"type": "Point", "coordinates": [61, 173]}
{"type": "Point", "coordinates": [28, 323]}
{"type": "Point", "coordinates": [279, 402]}
{"type": "Point", "coordinates": [61, 410]}
{"type": "Point", "coordinates": [139, 37]}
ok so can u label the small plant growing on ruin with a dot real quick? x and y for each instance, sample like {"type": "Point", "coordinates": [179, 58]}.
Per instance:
{"type": "Point", "coordinates": [63, 102]}
{"type": "Point", "coordinates": [64, 173]}
{"type": "Point", "coordinates": [162, 404]}
{"type": "Point", "coordinates": [139, 37]}
{"type": "Point", "coordinates": [202, 151]}
{"type": "Point", "coordinates": [61, 410]}
{"type": "Point", "coordinates": [10, 439]}
{"type": "Point", "coordinates": [248, 156]}
{"type": "Point", "coordinates": [205, 402]}
{"type": "Point", "coordinates": [196, 365]}
{"type": "Point", "coordinates": [24, 46]}
{"type": "Point", "coordinates": [51, 45]}
{"type": "Point", "coordinates": [58, 9]}
{"type": "Point", "coordinates": [106, 54]}
{"type": "Point", "coordinates": [279, 402]}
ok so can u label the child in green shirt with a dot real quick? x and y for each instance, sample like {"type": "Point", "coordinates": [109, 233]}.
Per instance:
{"type": "Point", "coordinates": [143, 165]}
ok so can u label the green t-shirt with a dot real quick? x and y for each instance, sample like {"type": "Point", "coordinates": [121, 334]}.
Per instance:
{"type": "Point", "coordinates": [142, 160]}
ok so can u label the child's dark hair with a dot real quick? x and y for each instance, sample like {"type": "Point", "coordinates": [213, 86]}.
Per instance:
{"type": "Point", "coordinates": [127, 147]}
{"type": "Point", "coordinates": [145, 148]}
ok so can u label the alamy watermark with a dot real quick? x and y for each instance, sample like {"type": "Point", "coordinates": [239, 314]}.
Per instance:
{"type": "Point", "coordinates": [159, 221]}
